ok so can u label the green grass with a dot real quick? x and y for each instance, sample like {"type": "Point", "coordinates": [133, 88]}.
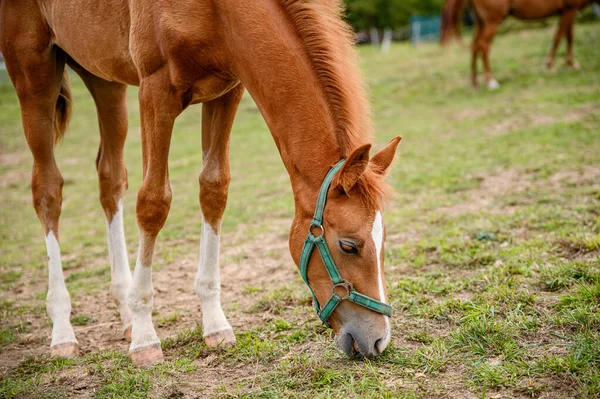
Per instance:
{"type": "Point", "coordinates": [492, 255]}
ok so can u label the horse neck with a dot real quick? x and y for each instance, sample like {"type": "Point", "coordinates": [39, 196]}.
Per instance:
{"type": "Point", "coordinates": [271, 62]}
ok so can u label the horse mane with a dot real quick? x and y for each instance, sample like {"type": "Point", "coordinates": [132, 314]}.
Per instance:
{"type": "Point", "coordinates": [328, 43]}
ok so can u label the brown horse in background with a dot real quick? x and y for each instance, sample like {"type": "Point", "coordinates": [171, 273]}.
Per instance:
{"type": "Point", "coordinates": [490, 14]}
{"type": "Point", "coordinates": [296, 60]}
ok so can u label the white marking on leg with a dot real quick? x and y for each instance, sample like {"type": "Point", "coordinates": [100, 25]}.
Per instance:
{"type": "Point", "coordinates": [377, 235]}
{"type": "Point", "coordinates": [58, 301]}
{"type": "Point", "coordinates": [119, 264]}
{"type": "Point", "coordinates": [208, 282]}
{"type": "Point", "coordinates": [493, 84]}
{"type": "Point", "coordinates": [141, 302]}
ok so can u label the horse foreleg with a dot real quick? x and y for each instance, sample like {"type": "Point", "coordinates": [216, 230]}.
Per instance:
{"type": "Point", "coordinates": [111, 105]}
{"type": "Point", "coordinates": [217, 120]}
{"type": "Point", "coordinates": [37, 76]}
{"type": "Point", "coordinates": [159, 106]}
{"type": "Point", "coordinates": [566, 19]}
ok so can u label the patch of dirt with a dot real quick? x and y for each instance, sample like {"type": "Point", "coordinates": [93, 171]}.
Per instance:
{"type": "Point", "coordinates": [469, 113]}
{"type": "Point", "coordinates": [500, 185]}
{"type": "Point", "coordinates": [534, 119]}
{"type": "Point", "coordinates": [587, 175]}
{"type": "Point", "coordinates": [492, 187]}
{"type": "Point", "coordinates": [509, 123]}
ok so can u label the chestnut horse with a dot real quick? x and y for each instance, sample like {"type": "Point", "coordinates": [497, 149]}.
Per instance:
{"type": "Point", "coordinates": [490, 14]}
{"type": "Point", "coordinates": [296, 60]}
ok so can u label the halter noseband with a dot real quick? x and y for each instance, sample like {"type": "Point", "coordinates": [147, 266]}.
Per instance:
{"type": "Point", "coordinates": [334, 274]}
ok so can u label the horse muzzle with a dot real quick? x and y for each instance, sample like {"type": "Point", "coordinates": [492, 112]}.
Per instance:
{"type": "Point", "coordinates": [356, 340]}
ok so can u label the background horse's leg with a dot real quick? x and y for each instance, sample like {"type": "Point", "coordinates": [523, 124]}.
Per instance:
{"type": "Point", "coordinates": [566, 21]}
{"type": "Point", "coordinates": [487, 35]}
{"type": "Point", "coordinates": [570, 58]}
{"type": "Point", "coordinates": [474, 53]}
{"type": "Point", "coordinates": [111, 106]}
{"type": "Point", "coordinates": [217, 120]}
{"type": "Point", "coordinates": [36, 69]}
{"type": "Point", "coordinates": [159, 106]}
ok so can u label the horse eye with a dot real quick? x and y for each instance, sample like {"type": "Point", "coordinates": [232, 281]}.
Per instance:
{"type": "Point", "coordinates": [348, 247]}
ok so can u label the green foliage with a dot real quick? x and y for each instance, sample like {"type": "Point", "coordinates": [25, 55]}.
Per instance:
{"type": "Point", "coordinates": [365, 14]}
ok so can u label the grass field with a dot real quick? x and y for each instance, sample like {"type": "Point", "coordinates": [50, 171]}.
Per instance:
{"type": "Point", "coordinates": [492, 254]}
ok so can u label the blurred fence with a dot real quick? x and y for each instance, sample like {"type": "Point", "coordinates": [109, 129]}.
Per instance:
{"type": "Point", "coordinates": [424, 29]}
{"type": "Point", "coordinates": [421, 29]}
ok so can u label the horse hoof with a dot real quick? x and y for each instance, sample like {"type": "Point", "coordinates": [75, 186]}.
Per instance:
{"type": "Point", "coordinates": [551, 70]}
{"type": "Point", "coordinates": [67, 350]}
{"type": "Point", "coordinates": [575, 66]}
{"type": "Point", "coordinates": [493, 84]}
{"type": "Point", "coordinates": [147, 356]}
{"type": "Point", "coordinates": [127, 334]}
{"type": "Point", "coordinates": [220, 339]}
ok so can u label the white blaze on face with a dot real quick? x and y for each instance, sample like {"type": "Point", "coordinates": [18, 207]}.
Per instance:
{"type": "Point", "coordinates": [377, 235]}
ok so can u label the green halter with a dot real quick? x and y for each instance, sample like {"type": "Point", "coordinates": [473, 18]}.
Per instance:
{"type": "Point", "coordinates": [334, 274]}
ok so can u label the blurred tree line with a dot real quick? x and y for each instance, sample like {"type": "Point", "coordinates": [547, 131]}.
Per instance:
{"type": "Point", "coordinates": [365, 14]}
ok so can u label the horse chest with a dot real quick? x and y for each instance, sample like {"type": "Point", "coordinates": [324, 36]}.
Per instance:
{"type": "Point", "coordinates": [208, 88]}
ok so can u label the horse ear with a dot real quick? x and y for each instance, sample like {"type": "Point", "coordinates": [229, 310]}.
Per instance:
{"type": "Point", "coordinates": [353, 168]}
{"type": "Point", "coordinates": [384, 158]}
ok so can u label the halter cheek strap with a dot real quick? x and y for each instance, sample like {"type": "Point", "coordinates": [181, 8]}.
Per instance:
{"type": "Point", "coordinates": [337, 281]}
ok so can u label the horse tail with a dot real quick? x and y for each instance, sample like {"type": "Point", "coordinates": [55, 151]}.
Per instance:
{"type": "Point", "coordinates": [451, 16]}
{"type": "Point", "coordinates": [63, 108]}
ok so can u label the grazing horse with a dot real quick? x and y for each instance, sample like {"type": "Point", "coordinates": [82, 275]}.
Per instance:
{"type": "Point", "coordinates": [490, 14]}
{"type": "Point", "coordinates": [296, 60]}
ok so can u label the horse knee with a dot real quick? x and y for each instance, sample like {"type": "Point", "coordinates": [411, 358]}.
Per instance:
{"type": "Point", "coordinates": [152, 208]}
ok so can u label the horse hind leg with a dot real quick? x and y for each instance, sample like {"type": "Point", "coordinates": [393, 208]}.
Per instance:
{"type": "Point", "coordinates": [565, 26]}
{"type": "Point", "coordinates": [217, 120]}
{"type": "Point", "coordinates": [111, 106]}
{"type": "Point", "coordinates": [569, 57]}
{"type": "Point", "coordinates": [38, 79]}
{"type": "Point", "coordinates": [485, 41]}
{"type": "Point", "coordinates": [476, 49]}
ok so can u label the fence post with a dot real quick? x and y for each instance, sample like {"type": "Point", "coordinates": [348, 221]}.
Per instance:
{"type": "Point", "coordinates": [387, 40]}
{"type": "Point", "coordinates": [415, 32]}
{"type": "Point", "coordinates": [374, 38]}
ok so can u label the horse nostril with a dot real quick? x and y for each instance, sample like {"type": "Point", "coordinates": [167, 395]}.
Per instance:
{"type": "Point", "coordinates": [379, 346]}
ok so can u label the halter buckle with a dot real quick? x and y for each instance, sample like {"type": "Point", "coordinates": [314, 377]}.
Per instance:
{"type": "Point", "coordinates": [346, 285]}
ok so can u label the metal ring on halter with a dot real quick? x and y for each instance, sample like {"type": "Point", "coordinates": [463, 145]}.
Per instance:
{"type": "Point", "coordinates": [319, 226]}
{"type": "Point", "coordinates": [347, 285]}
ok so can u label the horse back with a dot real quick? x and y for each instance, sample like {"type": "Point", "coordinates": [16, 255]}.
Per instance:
{"type": "Point", "coordinates": [536, 9]}
{"type": "Point", "coordinates": [124, 41]}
